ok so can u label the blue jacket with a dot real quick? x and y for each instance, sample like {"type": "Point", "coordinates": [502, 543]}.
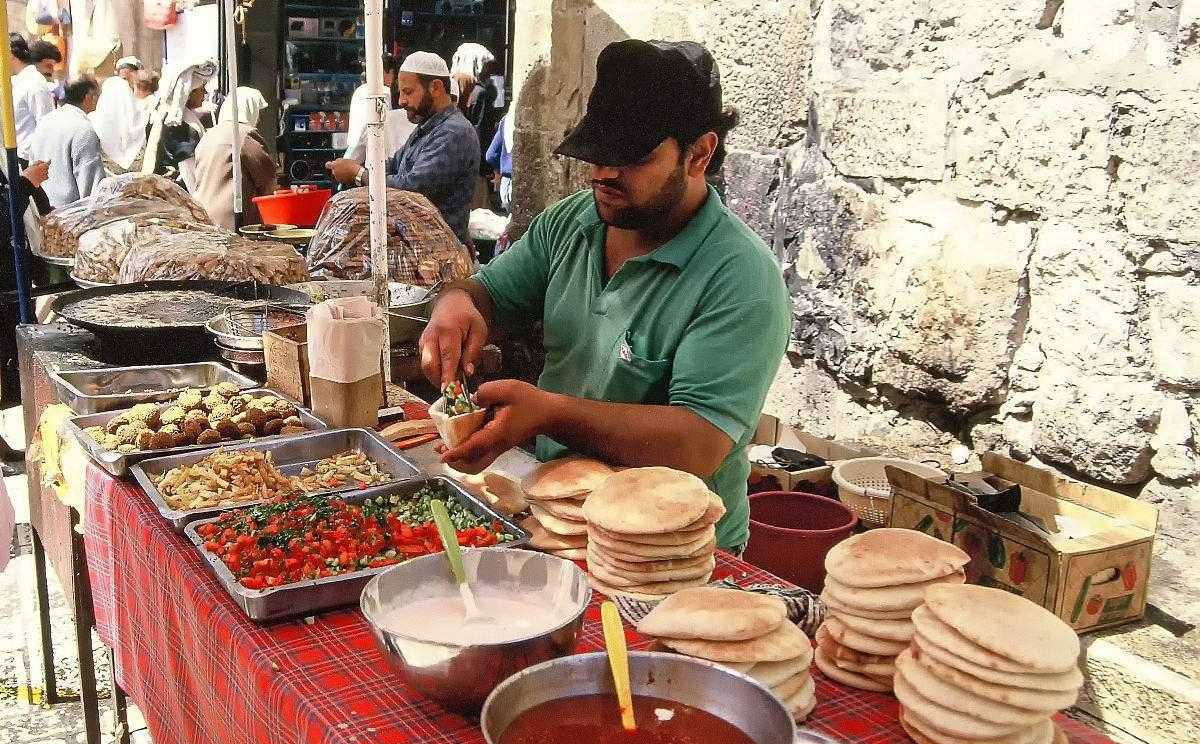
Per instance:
{"type": "Point", "coordinates": [498, 155]}
{"type": "Point", "coordinates": [441, 161]}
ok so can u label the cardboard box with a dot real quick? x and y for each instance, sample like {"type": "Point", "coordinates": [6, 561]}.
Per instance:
{"type": "Point", "coordinates": [286, 352]}
{"type": "Point", "coordinates": [772, 431]}
{"type": "Point", "coordinates": [1092, 569]}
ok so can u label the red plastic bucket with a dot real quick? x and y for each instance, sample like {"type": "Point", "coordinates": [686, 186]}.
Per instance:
{"type": "Point", "coordinates": [301, 208]}
{"type": "Point", "coordinates": [790, 533]}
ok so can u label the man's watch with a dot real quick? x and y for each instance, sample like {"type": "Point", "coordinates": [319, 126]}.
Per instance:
{"type": "Point", "coordinates": [360, 178]}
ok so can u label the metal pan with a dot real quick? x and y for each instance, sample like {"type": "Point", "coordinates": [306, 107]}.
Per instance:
{"type": "Point", "coordinates": [113, 388]}
{"type": "Point", "coordinates": [118, 464]}
{"type": "Point", "coordinates": [64, 261]}
{"type": "Point", "coordinates": [291, 454]}
{"type": "Point", "coordinates": [317, 595]}
{"type": "Point", "coordinates": [88, 283]}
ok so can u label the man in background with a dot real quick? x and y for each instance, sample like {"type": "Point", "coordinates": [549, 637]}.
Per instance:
{"type": "Point", "coordinates": [441, 157]}
{"type": "Point", "coordinates": [32, 100]}
{"type": "Point", "coordinates": [116, 116]}
{"type": "Point", "coordinates": [67, 140]}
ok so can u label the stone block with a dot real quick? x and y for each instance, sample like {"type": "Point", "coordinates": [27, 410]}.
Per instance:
{"type": "Point", "coordinates": [1158, 160]}
{"type": "Point", "coordinates": [1097, 32]}
{"type": "Point", "coordinates": [1037, 149]}
{"type": "Point", "coordinates": [1173, 586]}
{"type": "Point", "coordinates": [1084, 303]}
{"type": "Point", "coordinates": [1174, 329]}
{"type": "Point", "coordinates": [889, 132]}
{"type": "Point", "coordinates": [750, 181]}
{"type": "Point", "coordinates": [540, 177]}
{"type": "Point", "coordinates": [1188, 36]}
{"type": "Point", "coordinates": [1098, 426]}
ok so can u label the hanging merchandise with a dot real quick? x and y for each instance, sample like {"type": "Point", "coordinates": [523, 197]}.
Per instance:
{"type": "Point", "coordinates": [96, 39]}
{"type": "Point", "coordinates": [161, 14]}
{"type": "Point", "coordinates": [43, 12]}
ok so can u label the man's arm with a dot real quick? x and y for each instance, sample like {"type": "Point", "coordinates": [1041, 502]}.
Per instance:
{"type": "Point", "coordinates": [628, 434]}
{"type": "Point", "coordinates": [457, 330]}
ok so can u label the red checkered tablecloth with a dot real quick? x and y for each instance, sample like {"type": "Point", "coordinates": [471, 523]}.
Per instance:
{"type": "Point", "coordinates": [202, 672]}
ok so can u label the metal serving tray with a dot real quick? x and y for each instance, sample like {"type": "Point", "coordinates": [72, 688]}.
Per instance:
{"type": "Point", "coordinates": [316, 595]}
{"type": "Point", "coordinates": [63, 261]}
{"type": "Point", "coordinates": [113, 388]}
{"type": "Point", "coordinates": [118, 464]}
{"type": "Point", "coordinates": [291, 454]}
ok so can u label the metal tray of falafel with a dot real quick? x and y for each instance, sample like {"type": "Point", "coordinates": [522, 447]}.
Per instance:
{"type": "Point", "coordinates": [197, 485]}
{"type": "Point", "coordinates": [195, 420]}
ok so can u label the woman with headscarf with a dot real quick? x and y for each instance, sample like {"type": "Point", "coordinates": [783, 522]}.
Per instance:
{"type": "Point", "coordinates": [175, 128]}
{"type": "Point", "coordinates": [122, 134]}
{"type": "Point", "coordinates": [214, 161]}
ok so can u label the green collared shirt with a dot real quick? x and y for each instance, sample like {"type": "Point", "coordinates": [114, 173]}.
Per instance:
{"type": "Point", "coordinates": [700, 322]}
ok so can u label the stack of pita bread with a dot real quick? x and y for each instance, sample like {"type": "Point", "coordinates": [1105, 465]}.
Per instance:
{"type": "Point", "coordinates": [651, 532]}
{"type": "Point", "coordinates": [875, 581]}
{"type": "Point", "coordinates": [746, 631]}
{"type": "Point", "coordinates": [556, 491]}
{"type": "Point", "coordinates": [986, 667]}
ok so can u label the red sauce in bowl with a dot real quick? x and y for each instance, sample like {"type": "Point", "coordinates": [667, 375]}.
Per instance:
{"type": "Point", "coordinates": [591, 719]}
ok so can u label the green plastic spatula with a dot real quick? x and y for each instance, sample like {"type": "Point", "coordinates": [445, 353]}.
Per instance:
{"type": "Point", "coordinates": [445, 528]}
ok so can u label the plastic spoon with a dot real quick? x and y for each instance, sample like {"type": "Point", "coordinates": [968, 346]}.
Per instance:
{"type": "Point", "coordinates": [618, 660]}
{"type": "Point", "coordinates": [450, 544]}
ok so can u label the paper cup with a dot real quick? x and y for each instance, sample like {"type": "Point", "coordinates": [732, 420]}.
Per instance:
{"type": "Point", "coordinates": [455, 430]}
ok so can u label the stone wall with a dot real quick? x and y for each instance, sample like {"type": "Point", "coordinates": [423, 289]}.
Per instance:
{"type": "Point", "coordinates": [988, 214]}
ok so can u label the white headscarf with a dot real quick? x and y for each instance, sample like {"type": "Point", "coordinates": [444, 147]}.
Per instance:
{"type": "Point", "coordinates": [250, 105]}
{"type": "Point", "coordinates": [172, 109]}
{"type": "Point", "coordinates": [469, 59]}
{"type": "Point", "coordinates": [117, 122]}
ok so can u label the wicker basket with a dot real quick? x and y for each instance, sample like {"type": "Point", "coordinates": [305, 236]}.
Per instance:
{"type": "Point", "coordinates": [863, 486]}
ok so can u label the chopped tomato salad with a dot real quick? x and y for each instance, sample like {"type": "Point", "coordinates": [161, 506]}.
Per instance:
{"type": "Point", "coordinates": [319, 535]}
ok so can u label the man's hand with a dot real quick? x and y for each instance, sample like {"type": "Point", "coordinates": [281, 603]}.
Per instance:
{"type": "Point", "coordinates": [37, 173]}
{"type": "Point", "coordinates": [455, 336]}
{"type": "Point", "coordinates": [519, 411]}
{"type": "Point", "coordinates": [343, 170]}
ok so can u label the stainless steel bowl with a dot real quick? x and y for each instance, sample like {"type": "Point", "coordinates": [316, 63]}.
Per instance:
{"type": "Point", "coordinates": [705, 685]}
{"type": "Point", "coordinates": [461, 677]}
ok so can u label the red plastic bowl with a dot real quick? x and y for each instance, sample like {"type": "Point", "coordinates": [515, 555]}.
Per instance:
{"type": "Point", "coordinates": [790, 533]}
{"type": "Point", "coordinates": [301, 208]}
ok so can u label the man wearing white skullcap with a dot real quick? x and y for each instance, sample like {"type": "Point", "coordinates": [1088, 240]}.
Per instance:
{"type": "Point", "coordinates": [121, 130]}
{"type": "Point", "coordinates": [441, 157]}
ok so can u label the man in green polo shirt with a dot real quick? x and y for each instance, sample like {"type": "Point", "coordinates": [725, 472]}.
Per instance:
{"type": "Point", "coordinates": [665, 316]}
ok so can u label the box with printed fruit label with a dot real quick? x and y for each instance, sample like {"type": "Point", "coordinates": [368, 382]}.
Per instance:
{"type": "Point", "coordinates": [1080, 551]}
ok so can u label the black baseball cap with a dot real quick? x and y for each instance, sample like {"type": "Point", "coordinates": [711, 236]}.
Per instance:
{"type": "Point", "coordinates": [645, 91]}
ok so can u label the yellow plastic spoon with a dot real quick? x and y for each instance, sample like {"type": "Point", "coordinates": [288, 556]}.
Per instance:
{"type": "Point", "coordinates": [618, 660]}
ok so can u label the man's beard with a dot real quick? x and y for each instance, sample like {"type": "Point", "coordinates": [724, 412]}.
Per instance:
{"type": "Point", "coordinates": [650, 215]}
{"type": "Point", "coordinates": [421, 113]}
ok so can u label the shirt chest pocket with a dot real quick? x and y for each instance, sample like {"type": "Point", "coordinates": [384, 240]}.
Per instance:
{"type": "Point", "coordinates": [637, 377]}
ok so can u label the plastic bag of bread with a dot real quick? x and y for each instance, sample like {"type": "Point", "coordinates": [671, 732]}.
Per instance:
{"type": "Point", "coordinates": [150, 186]}
{"type": "Point", "coordinates": [213, 255]}
{"type": "Point", "coordinates": [62, 228]}
{"type": "Point", "coordinates": [422, 249]}
{"type": "Point", "coordinates": [102, 251]}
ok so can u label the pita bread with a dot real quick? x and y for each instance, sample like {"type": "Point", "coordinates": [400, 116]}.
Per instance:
{"type": "Point", "coordinates": [801, 704]}
{"type": "Point", "coordinates": [542, 539]}
{"type": "Point", "coordinates": [892, 630]}
{"type": "Point", "coordinates": [743, 667]}
{"type": "Point", "coordinates": [941, 718]}
{"type": "Point", "coordinates": [860, 642]}
{"type": "Point", "coordinates": [555, 524]}
{"type": "Point", "coordinates": [571, 554]}
{"type": "Point", "coordinates": [709, 613]}
{"type": "Point", "coordinates": [851, 679]}
{"type": "Point", "coordinates": [1069, 681]}
{"type": "Point", "coordinates": [619, 578]}
{"type": "Point", "coordinates": [838, 607]}
{"type": "Point", "coordinates": [647, 566]}
{"type": "Point", "coordinates": [1008, 625]}
{"type": "Point", "coordinates": [648, 501]}
{"type": "Point", "coordinates": [922, 732]}
{"type": "Point", "coordinates": [792, 685]}
{"type": "Point", "coordinates": [890, 556]}
{"type": "Point", "coordinates": [784, 642]}
{"type": "Point", "coordinates": [642, 553]}
{"type": "Point", "coordinates": [838, 653]}
{"type": "Point", "coordinates": [937, 633]}
{"type": "Point", "coordinates": [886, 598]}
{"type": "Point", "coordinates": [1045, 701]}
{"type": "Point", "coordinates": [681, 537]}
{"type": "Point", "coordinates": [565, 478]}
{"type": "Point", "coordinates": [772, 673]}
{"type": "Point", "coordinates": [646, 592]}
{"type": "Point", "coordinates": [956, 698]}
{"type": "Point", "coordinates": [568, 509]}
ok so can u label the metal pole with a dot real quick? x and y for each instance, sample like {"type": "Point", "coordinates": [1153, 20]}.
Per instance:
{"type": "Point", "coordinates": [377, 175]}
{"type": "Point", "coordinates": [16, 204]}
{"type": "Point", "coordinates": [231, 62]}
